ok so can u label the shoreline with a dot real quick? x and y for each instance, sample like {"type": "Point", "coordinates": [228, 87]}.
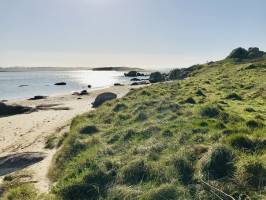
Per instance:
{"type": "Point", "coordinates": [23, 133]}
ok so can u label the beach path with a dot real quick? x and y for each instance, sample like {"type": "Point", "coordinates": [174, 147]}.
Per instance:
{"type": "Point", "coordinates": [26, 134]}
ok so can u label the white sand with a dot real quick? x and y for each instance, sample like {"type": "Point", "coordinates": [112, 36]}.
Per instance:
{"type": "Point", "coordinates": [29, 132]}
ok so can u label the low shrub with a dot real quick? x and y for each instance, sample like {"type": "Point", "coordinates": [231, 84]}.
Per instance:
{"type": "Point", "coordinates": [253, 124]}
{"type": "Point", "coordinates": [190, 100]}
{"type": "Point", "coordinates": [167, 133]}
{"type": "Point", "coordinates": [184, 169]}
{"type": "Point", "coordinates": [142, 116]}
{"type": "Point", "coordinates": [220, 125]}
{"type": "Point", "coordinates": [234, 96]}
{"type": "Point", "coordinates": [91, 129]}
{"type": "Point", "coordinates": [249, 109]}
{"type": "Point", "coordinates": [122, 193]}
{"type": "Point", "coordinates": [135, 172]}
{"type": "Point", "coordinates": [21, 192]}
{"type": "Point", "coordinates": [200, 93]}
{"type": "Point", "coordinates": [218, 163]}
{"type": "Point", "coordinates": [129, 134]}
{"type": "Point", "coordinates": [210, 111]}
{"type": "Point", "coordinates": [119, 107]}
{"type": "Point", "coordinates": [252, 172]}
{"type": "Point", "coordinates": [241, 142]}
{"type": "Point", "coordinates": [91, 184]}
{"type": "Point", "coordinates": [166, 191]}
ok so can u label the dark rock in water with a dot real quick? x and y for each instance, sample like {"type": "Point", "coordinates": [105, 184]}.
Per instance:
{"type": "Point", "coordinates": [101, 98]}
{"type": "Point", "coordinates": [131, 74]}
{"type": "Point", "coordinates": [23, 85]}
{"type": "Point", "coordinates": [135, 79]}
{"type": "Point", "coordinates": [14, 162]}
{"type": "Point", "coordinates": [84, 92]}
{"type": "Point", "coordinates": [38, 97]}
{"type": "Point", "coordinates": [89, 86]}
{"type": "Point", "coordinates": [118, 84]}
{"type": "Point", "coordinates": [140, 74]}
{"type": "Point", "coordinates": [156, 77]}
{"type": "Point", "coordinates": [7, 110]}
{"type": "Point", "coordinates": [60, 83]}
{"type": "Point", "coordinates": [241, 53]}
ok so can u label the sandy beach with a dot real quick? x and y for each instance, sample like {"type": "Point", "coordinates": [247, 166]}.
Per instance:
{"type": "Point", "coordinates": [25, 133]}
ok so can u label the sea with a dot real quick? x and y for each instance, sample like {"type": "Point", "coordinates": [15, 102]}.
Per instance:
{"type": "Point", "coordinates": [26, 84]}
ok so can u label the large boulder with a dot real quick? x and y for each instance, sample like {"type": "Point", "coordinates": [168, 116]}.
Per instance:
{"type": "Point", "coordinates": [131, 74]}
{"type": "Point", "coordinates": [6, 110]}
{"type": "Point", "coordinates": [101, 98]}
{"type": "Point", "coordinates": [156, 77]}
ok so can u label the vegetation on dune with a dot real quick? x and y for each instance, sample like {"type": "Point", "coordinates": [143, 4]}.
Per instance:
{"type": "Point", "coordinates": [162, 141]}
{"type": "Point", "coordinates": [203, 137]}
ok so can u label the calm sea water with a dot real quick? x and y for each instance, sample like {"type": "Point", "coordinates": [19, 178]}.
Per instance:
{"type": "Point", "coordinates": [42, 82]}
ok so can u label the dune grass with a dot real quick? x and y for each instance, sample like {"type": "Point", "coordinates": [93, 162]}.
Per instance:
{"type": "Point", "coordinates": [158, 142]}
{"type": "Point", "coordinates": [164, 141]}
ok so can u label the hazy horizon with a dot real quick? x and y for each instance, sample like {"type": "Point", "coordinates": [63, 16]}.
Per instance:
{"type": "Point", "coordinates": [149, 34]}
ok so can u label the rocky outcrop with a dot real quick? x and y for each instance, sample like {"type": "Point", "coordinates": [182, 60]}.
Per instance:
{"type": "Point", "coordinates": [101, 98]}
{"type": "Point", "coordinates": [241, 53]}
{"type": "Point", "coordinates": [179, 74]}
{"type": "Point", "coordinates": [156, 77]}
{"type": "Point", "coordinates": [7, 110]}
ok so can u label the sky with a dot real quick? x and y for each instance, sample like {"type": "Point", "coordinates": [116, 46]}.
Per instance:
{"type": "Point", "coordinates": [137, 33]}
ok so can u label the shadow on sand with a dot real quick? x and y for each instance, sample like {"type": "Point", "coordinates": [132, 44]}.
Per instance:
{"type": "Point", "coordinates": [14, 162]}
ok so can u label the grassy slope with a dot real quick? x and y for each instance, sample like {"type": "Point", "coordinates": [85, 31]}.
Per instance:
{"type": "Point", "coordinates": [153, 144]}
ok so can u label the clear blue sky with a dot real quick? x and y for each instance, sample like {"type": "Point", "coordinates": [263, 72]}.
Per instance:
{"type": "Point", "coordinates": [151, 33]}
